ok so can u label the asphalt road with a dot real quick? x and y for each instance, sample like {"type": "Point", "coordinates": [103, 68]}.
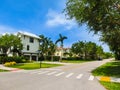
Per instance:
{"type": "Point", "coordinates": [69, 77]}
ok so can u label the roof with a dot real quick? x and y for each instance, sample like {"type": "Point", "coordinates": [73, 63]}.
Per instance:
{"type": "Point", "coordinates": [28, 34]}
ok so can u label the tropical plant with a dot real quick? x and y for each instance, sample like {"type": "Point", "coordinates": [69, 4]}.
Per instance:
{"type": "Point", "coordinates": [52, 49]}
{"type": "Point", "coordinates": [61, 39]}
{"type": "Point", "coordinates": [44, 45]}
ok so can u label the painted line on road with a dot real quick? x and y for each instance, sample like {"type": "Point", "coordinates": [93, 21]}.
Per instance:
{"type": "Point", "coordinates": [51, 73]}
{"type": "Point", "coordinates": [43, 72]}
{"type": "Point", "coordinates": [69, 75]}
{"type": "Point", "coordinates": [59, 74]}
{"type": "Point", "coordinates": [79, 76]}
{"type": "Point", "coordinates": [36, 72]}
{"type": "Point", "coordinates": [91, 77]}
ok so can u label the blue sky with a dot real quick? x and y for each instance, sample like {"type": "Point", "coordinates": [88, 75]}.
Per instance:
{"type": "Point", "coordinates": [43, 17]}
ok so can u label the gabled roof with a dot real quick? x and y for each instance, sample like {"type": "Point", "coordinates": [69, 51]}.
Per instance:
{"type": "Point", "coordinates": [28, 34]}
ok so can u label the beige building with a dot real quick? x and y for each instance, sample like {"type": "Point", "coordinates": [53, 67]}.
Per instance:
{"type": "Point", "coordinates": [63, 52]}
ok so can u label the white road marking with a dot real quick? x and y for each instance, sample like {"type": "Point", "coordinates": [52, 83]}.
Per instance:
{"type": "Point", "coordinates": [51, 73]}
{"type": "Point", "coordinates": [91, 77]}
{"type": "Point", "coordinates": [36, 72]}
{"type": "Point", "coordinates": [79, 76]}
{"type": "Point", "coordinates": [54, 69]}
{"type": "Point", "coordinates": [69, 75]}
{"type": "Point", "coordinates": [43, 72]}
{"type": "Point", "coordinates": [59, 74]}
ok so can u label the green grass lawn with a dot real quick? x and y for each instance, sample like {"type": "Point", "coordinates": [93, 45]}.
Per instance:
{"type": "Point", "coordinates": [1, 70]}
{"type": "Point", "coordinates": [111, 85]}
{"type": "Point", "coordinates": [76, 61]}
{"type": "Point", "coordinates": [108, 69]}
{"type": "Point", "coordinates": [29, 66]}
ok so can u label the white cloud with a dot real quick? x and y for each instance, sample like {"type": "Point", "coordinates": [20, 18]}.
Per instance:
{"type": "Point", "coordinates": [55, 19]}
{"type": "Point", "coordinates": [6, 29]}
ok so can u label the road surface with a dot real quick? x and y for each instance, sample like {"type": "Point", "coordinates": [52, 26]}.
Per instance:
{"type": "Point", "coordinates": [69, 77]}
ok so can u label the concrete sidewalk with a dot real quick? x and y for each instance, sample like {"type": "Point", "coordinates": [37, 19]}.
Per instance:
{"type": "Point", "coordinates": [9, 68]}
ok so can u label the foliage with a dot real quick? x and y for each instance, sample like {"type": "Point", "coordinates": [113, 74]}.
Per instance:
{"type": "Point", "coordinates": [10, 63]}
{"type": "Point", "coordinates": [101, 16]}
{"type": "Point", "coordinates": [1, 70]}
{"type": "Point", "coordinates": [17, 59]}
{"type": "Point", "coordinates": [48, 58]}
{"type": "Point", "coordinates": [61, 39]}
{"type": "Point", "coordinates": [108, 69]}
{"type": "Point", "coordinates": [44, 45]}
{"type": "Point", "coordinates": [111, 85]}
{"type": "Point", "coordinates": [87, 50]}
{"type": "Point", "coordinates": [107, 55]}
{"type": "Point", "coordinates": [113, 40]}
{"type": "Point", "coordinates": [52, 49]}
{"type": "Point", "coordinates": [10, 42]}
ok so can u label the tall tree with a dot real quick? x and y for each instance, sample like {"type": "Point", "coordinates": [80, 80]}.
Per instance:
{"type": "Point", "coordinates": [52, 49]}
{"type": "Point", "coordinates": [113, 40]}
{"type": "Point", "coordinates": [44, 45]}
{"type": "Point", "coordinates": [100, 15]}
{"type": "Point", "coordinates": [61, 39]}
{"type": "Point", "coordinates": [87, 50]}
{"type": "Point", "coordinates": [10, 42]}
{"type": "Point", "coordinates": [78, 48]}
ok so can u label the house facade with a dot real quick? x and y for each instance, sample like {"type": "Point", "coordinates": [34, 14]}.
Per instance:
{"type": "Point", "coordinates": [63, 52]}
{"type": "Point", "coordinates": [30, 45]}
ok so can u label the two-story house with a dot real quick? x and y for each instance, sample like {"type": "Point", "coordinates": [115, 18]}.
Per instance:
{"type": "Point", "coordinates": [63, 52]}
{"type": "Point", "coordinates": [30, 44]}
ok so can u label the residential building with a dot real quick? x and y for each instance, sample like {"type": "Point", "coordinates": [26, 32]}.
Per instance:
{"type": "Point", "coordinates": [62, 52]}
{"type": "Point", "coordinates": [30, 45]}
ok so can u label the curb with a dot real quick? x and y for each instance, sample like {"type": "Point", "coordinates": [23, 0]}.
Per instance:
{"type": "Point", "coordinates": [108, 79]}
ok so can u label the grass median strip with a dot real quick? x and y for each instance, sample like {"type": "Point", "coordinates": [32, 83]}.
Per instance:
{"type": "Point", "coordinates": [109, 69]}
{"type": "Point", "coordinates": [1, 70]}
{"type": "Point", "coordinates": [111, 85]}
{"type": "Point", "coordinates": [30, 66]}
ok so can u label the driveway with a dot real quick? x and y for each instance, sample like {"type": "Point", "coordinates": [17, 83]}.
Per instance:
{"type": "Point", "coordinates": [69, 77]}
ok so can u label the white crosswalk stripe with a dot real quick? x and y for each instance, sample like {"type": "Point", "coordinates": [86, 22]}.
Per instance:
{"type": "Point", "coordinates": [36, 72]}
{"type": "Point", "coordinates": [91, 77]}
{"type": "Point", "coordinates": [79, 76]}
{"type": "Point", "coordinates": [51, 73]}
{"type": "Point", "coordinates": [59, 74]}
{"type": "Point", "coordinates": [43, 72]}
{"type": "Point", "coordinates": [69, 75]}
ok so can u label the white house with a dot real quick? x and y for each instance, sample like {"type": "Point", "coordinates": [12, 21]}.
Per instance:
{"type": "Point", "coordinates": [30, 44]}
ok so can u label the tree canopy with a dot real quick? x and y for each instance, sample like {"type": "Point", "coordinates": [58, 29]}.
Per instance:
{"type": "Point", "coordinates": [10, 42]}
{"type": "Point", "coordinates": [87, 50]}
{"type": "Point", "coordinates": [99, 15]}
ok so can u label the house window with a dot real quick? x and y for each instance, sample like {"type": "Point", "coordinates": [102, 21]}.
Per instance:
{"type": "Point", "coordinates": [31, 40]}
{"type": "Point", "coordinates": [28, 47]}
{"type": "Point", "coordinates": [24, 36]}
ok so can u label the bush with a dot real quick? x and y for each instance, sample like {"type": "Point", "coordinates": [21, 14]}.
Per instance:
{"type": "Point", "coordinates": [9, 63]}
{"type": "Point", "coordinates": [48, 58]}
{"type": "Point", "coordinates": [4, 59]}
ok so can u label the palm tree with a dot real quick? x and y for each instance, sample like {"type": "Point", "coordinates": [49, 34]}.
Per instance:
{"type": "Point", "coordinates": [44, 45]}
{"type": "Point", "coordinates": [52, 49]}
{"type": "Point", "coordinates": [61, 39]}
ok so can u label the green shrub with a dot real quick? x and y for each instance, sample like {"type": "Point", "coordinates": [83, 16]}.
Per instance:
{"type": "Point", "coordinates": [17, 59]}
